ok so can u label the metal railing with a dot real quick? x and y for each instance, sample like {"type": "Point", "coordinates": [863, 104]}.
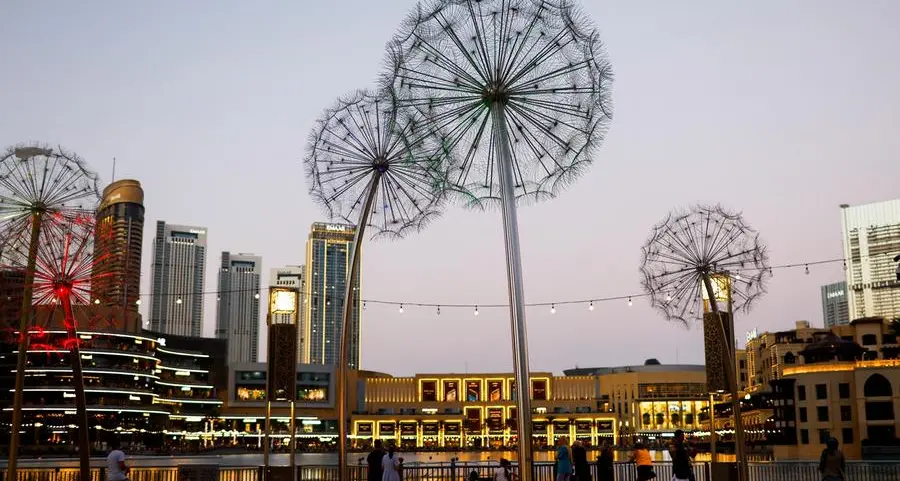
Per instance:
{"type": "Point", "coordinates": [759, 471]}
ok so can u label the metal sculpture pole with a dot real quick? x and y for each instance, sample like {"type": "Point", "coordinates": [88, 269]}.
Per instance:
{"type": "Point", "coordinates": [369, 165]}
{"type": "Point", "coordinates": [346, 330]}
{"type": "Point", "coordinates": [22, 356]}
{"type": "Point", "coordinates": [64, 293]}
{"type": "Point", "coordinates": [516, 295]}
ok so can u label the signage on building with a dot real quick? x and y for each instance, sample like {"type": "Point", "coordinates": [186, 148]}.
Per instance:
{"type": "Point", "coordinates": [495, 419]}
{"type": "Point", "coordinates": [604, 426]}
{"type": "Point", "coordinates": [539, 427]}
{"type": "Point", "coordinates": [451, 429]}
{"type": "Point", "coordinates": [407, 429]}
{"type": "Point", "coordinates": [583, 426]}
{"type": "Point", "coordinates": [752, 335]}
{"type": "Point", "coordinates": [832, 295]}
{"type": "Point", "coordinates": [429, 429]}
{"type": "Point", "coordinates": [197, 231]}
{"type": "Point", "coordinates": [386, 429]}
{"type": "Point", "coordinates": [335, 228]}
{"type": "Point", "coordinates": [364, 429]}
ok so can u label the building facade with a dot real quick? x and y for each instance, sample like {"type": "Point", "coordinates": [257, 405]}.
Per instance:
{"type": "Point", "coordinates": [835, 308]}
{"type": "Point", "coordinates": [291, 277]}
{"type": "Point", "coordinates": [12, 287]}
{"type": "Point", "coordinates": [871, 235]}
{"type": "Point", "coordinates": [328, 252]}
{"type": "Point", "coordinates": [238, 305]}
{"type": "Point", "coordinates": [116, 276]}
{"type": "Point", "coordinates": [177, 279]}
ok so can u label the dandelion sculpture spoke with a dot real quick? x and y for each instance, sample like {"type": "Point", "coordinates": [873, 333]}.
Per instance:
{"type": "Point", "coordinates": [64, 261]}
{"type": "Point", "coordinates": [371, 167]}
{"type": "Point", "coordinates": [517, 93]}
{"type": "Point", "coordinates": [36, 181]}
{"type": "Point", "coordinates": [696, 259]}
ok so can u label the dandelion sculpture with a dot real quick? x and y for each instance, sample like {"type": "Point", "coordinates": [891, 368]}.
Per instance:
{"type": "Point", "coordinates": [517, 94]}
{"type": "Point", "coordinates": [371, 167]}
{"type": "Point", "coordinates": [695, 260]}
{"type": "Point", "coordinates": [36, 181]}
{"type": "Point", "coordinates": [64, 263]}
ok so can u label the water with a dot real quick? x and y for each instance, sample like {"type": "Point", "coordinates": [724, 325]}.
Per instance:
{"type": "Point", "coordinates": [282, 459]}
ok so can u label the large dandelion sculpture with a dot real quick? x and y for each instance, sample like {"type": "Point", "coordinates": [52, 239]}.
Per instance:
{"type": "Point", "coordinates": [64, 263]}
{"type": "Point", "coordinates": [517, 93]}
{"type": "Point", "coordinates": [696, 259]}
{"type": "Point", "coordinates": [370, 167]}
{"type": "Point", "coordinates": [36, 181]}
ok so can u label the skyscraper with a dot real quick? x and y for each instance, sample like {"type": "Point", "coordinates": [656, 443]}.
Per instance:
{"type": "Point", "coordinates": [292, 277]}
{"type": "Point", "coordinates": [871, 235]}
{"type": "Point", "coordinates": [237, 316]}
{"type": "Point", "coordinates": [327, 261]}
{"type": "Point", "coordinates": [834, 304]}
{"type": "Point", "coordinates": [179, 263]}
{"type": "Point", "coordinates": [116, 276]}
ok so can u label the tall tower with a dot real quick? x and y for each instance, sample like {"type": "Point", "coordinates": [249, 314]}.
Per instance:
{"type": "Point", "coordinates": [292, 277]}
{"type": "Point", "coordinates": [327, 261]}
{"type": "Point", "coordinates": [871, 235]}
{"type": "Point", "coordinates": [179, 263]}
{"type": "Point", "coordinates": [116, 276]}
{"type": "Point", "coordinates": [835, 311]}
{"type": "Point", "coordinates": [237, 311]}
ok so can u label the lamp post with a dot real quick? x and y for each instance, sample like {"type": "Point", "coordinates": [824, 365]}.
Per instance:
{"type": "Point", "coordinates": [281, 376]}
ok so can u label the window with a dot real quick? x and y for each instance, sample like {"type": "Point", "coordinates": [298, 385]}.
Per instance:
{"type": "Point", "coordinates": [877, 386]}
{"type": "Point", "coordinates": [789, 358]}
{"type": "Point", "coordinates": [844, 390]}
{"type": "Point", "coordinates": [801, 393]}
{"type": "Point", "coordinates": [821, 391]}
{"type": "Point", "coordinates": [846, 413]}
{"type": "Point", "coordinates": [869, 340]}
{"type": "Point", "coordinates": [824, 436]}
{"type": "Point", "coordinates": [743, 364]}
{"type": "Point", "coordinates": [847, 435]}
{"type": "Point", "coordinates": [804, 436]}
{"type": "Point", "coordinates": [822, 413]}
{"type": "Point", "coordinates": [803, 415]}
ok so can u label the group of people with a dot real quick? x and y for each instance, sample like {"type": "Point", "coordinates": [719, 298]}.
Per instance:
{"type": "Point", "coordinates": [384, 465]}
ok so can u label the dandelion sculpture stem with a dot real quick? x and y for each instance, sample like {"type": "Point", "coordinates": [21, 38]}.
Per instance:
{"type": "Point", "coordinates": [516, 94]}
{"type": "Point", "coordinates": [683, 260]}
{"type": "Point", "coordinates": [35, 182]}
{"type": "Point", "coordinates": [369, 165]}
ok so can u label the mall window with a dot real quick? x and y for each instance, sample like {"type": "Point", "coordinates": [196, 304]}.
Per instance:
{"type": "Point", "coordinates": [803, 418]}
{"type": "Point", "coordinates": [847, 435]}
{"type": "Point", "coordinates": [846, 413]}
{"type": "Point", "coordinates": [804, 436]}
{"type": "Point", "coordinates": [312, 394]}
{"type": "Point", "coordinates": [844, 390]}
{"type": "Point", "coordinates": [822, 413]}
{"type": "Point", "coordinates": [250, 393]}
{"type": "Point", "coordinates": [801, 393]}
{"type": "Point", "coordinates": [821, 391]}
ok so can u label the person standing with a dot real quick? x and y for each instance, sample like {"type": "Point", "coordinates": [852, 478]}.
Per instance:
{"type": "Point", "coordinates": [832, 463]}
{"type": "Point", "coordinates": [681, 459]}
{"type": "Point", "coordinates": [606, 463]}
{"type": "Point", "coordinates": [391, 464]}
{"type": "Point", "coordinates": [579, 459]}
{"type": "Point", "coordinates": [641, 458]}
{"type": "Point", "coordinates": [116, 469]}
{"type": "Point", "coordinates": [504, 473]}
{"type": "Point", "coordinates": [563, 460]}
{"type": "Point", "coordinates": [374, 462]}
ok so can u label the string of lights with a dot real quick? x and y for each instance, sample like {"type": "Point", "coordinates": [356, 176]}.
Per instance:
{"type": "Point", "coordinates": [476, 307]}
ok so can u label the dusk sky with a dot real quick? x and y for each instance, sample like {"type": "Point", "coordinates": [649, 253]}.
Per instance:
{"type": "Point", "coordinates": [781, 110]}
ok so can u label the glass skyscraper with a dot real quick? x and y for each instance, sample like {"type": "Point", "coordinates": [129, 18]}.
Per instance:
{"type": "Point", "coordinates": [327, 261]}
{"type": "Point", "coordinates": [835, 310]}
{"type": "Point", "coordinates": [237, 308]}
{"type": "Point", "coordinates": [179, 263]}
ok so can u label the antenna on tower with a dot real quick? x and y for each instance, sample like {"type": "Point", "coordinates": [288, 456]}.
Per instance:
{"type": "Point", "coordinates": [114, 170]}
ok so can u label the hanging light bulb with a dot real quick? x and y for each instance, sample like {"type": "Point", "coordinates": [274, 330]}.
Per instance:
{"type": "Point", "coordinates": [364, 305]}
{"type": "Point", "coordinates": [178, 301]}
{"type": "Point", "coordinates": [552, 308]}
{"type": "Point", "coordinates": [668, 297]}
{"type": "Point", "coordinates": [96, 301]}
{"type": "Point", "coordinates": [138, 302]}
{"type": "Point", "coordinates": [591, 306]}
{"type": "Point", "coordinates": [629, 302]}
{"type": "Point", "coordinates": [256, 296]}
{"type": "Point", "coordinates": [845, 265]}
{"type": "Point", "coordinates": [439, 310]}
{"type": "Point", "coordinates": [476, 310]}
{"type": "Point", "coordinates": [401, 308]}
{"type": "Point", "coordinates": [807, 269]}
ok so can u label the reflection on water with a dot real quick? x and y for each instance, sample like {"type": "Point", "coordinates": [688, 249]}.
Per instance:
{"type": "Point", "coordinates": [256, 459]}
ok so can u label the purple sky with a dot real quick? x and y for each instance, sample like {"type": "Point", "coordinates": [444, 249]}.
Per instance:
{"type": "Point", "coordinates": [783, 110]}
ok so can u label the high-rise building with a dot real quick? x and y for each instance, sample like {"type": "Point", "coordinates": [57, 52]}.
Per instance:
{"type": "Point", "coordinates": [237, 310]}
{"type": "Point", "coordinates": [834, 304]}
{"type": "Point", "coordinates": [871, 235]}
{"type": "Point", "coordinates": [179, 264]}
{"type": "Point", "coordinates": [327, 260]}
{"type": "Point", "coordinates": [12, 289]}
{"type": "Point", "coordinates": [292, 277]}
{"type": "Point", "coordinates": [116, 276]}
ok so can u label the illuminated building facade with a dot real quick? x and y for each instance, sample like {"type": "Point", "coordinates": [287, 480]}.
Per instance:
{"type": "Point", "coordinates": [871, 235]}
{"type": "Point", "coordinates": [291, 277]}
{"type": "Point", "coordinates": [237, 308]}
{"type": "Point", "coordinates": [177, 279]}
{"type": "Point", "coordinates": [327, 262]}
{"type": "Point", "coordinates": [116, 277]}
{"type": "Point", "coordinates": [835, 309]}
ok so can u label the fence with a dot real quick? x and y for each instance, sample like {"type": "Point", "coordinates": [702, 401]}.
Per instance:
{"type": "Point", "coordinates": [759, 471]}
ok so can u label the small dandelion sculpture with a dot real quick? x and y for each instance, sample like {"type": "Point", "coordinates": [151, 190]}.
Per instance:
{"type": "Point", "coordinates": [36, 182]}
{"type": "Point", "coordinates": [696, 259]}
{"type": "Point", "coordinates": [517, 94]}
{"type": "Point", "coordinates": [370, 167]}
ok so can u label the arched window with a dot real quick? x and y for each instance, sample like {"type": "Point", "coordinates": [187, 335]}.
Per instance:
{"type": "Point", "coordinates": [877, 386]}
{"type": "Point", "coordinates": [789, 358]}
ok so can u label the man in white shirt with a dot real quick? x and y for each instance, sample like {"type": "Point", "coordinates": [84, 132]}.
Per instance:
{"type": "Point", "coordinates": [116, 470]}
